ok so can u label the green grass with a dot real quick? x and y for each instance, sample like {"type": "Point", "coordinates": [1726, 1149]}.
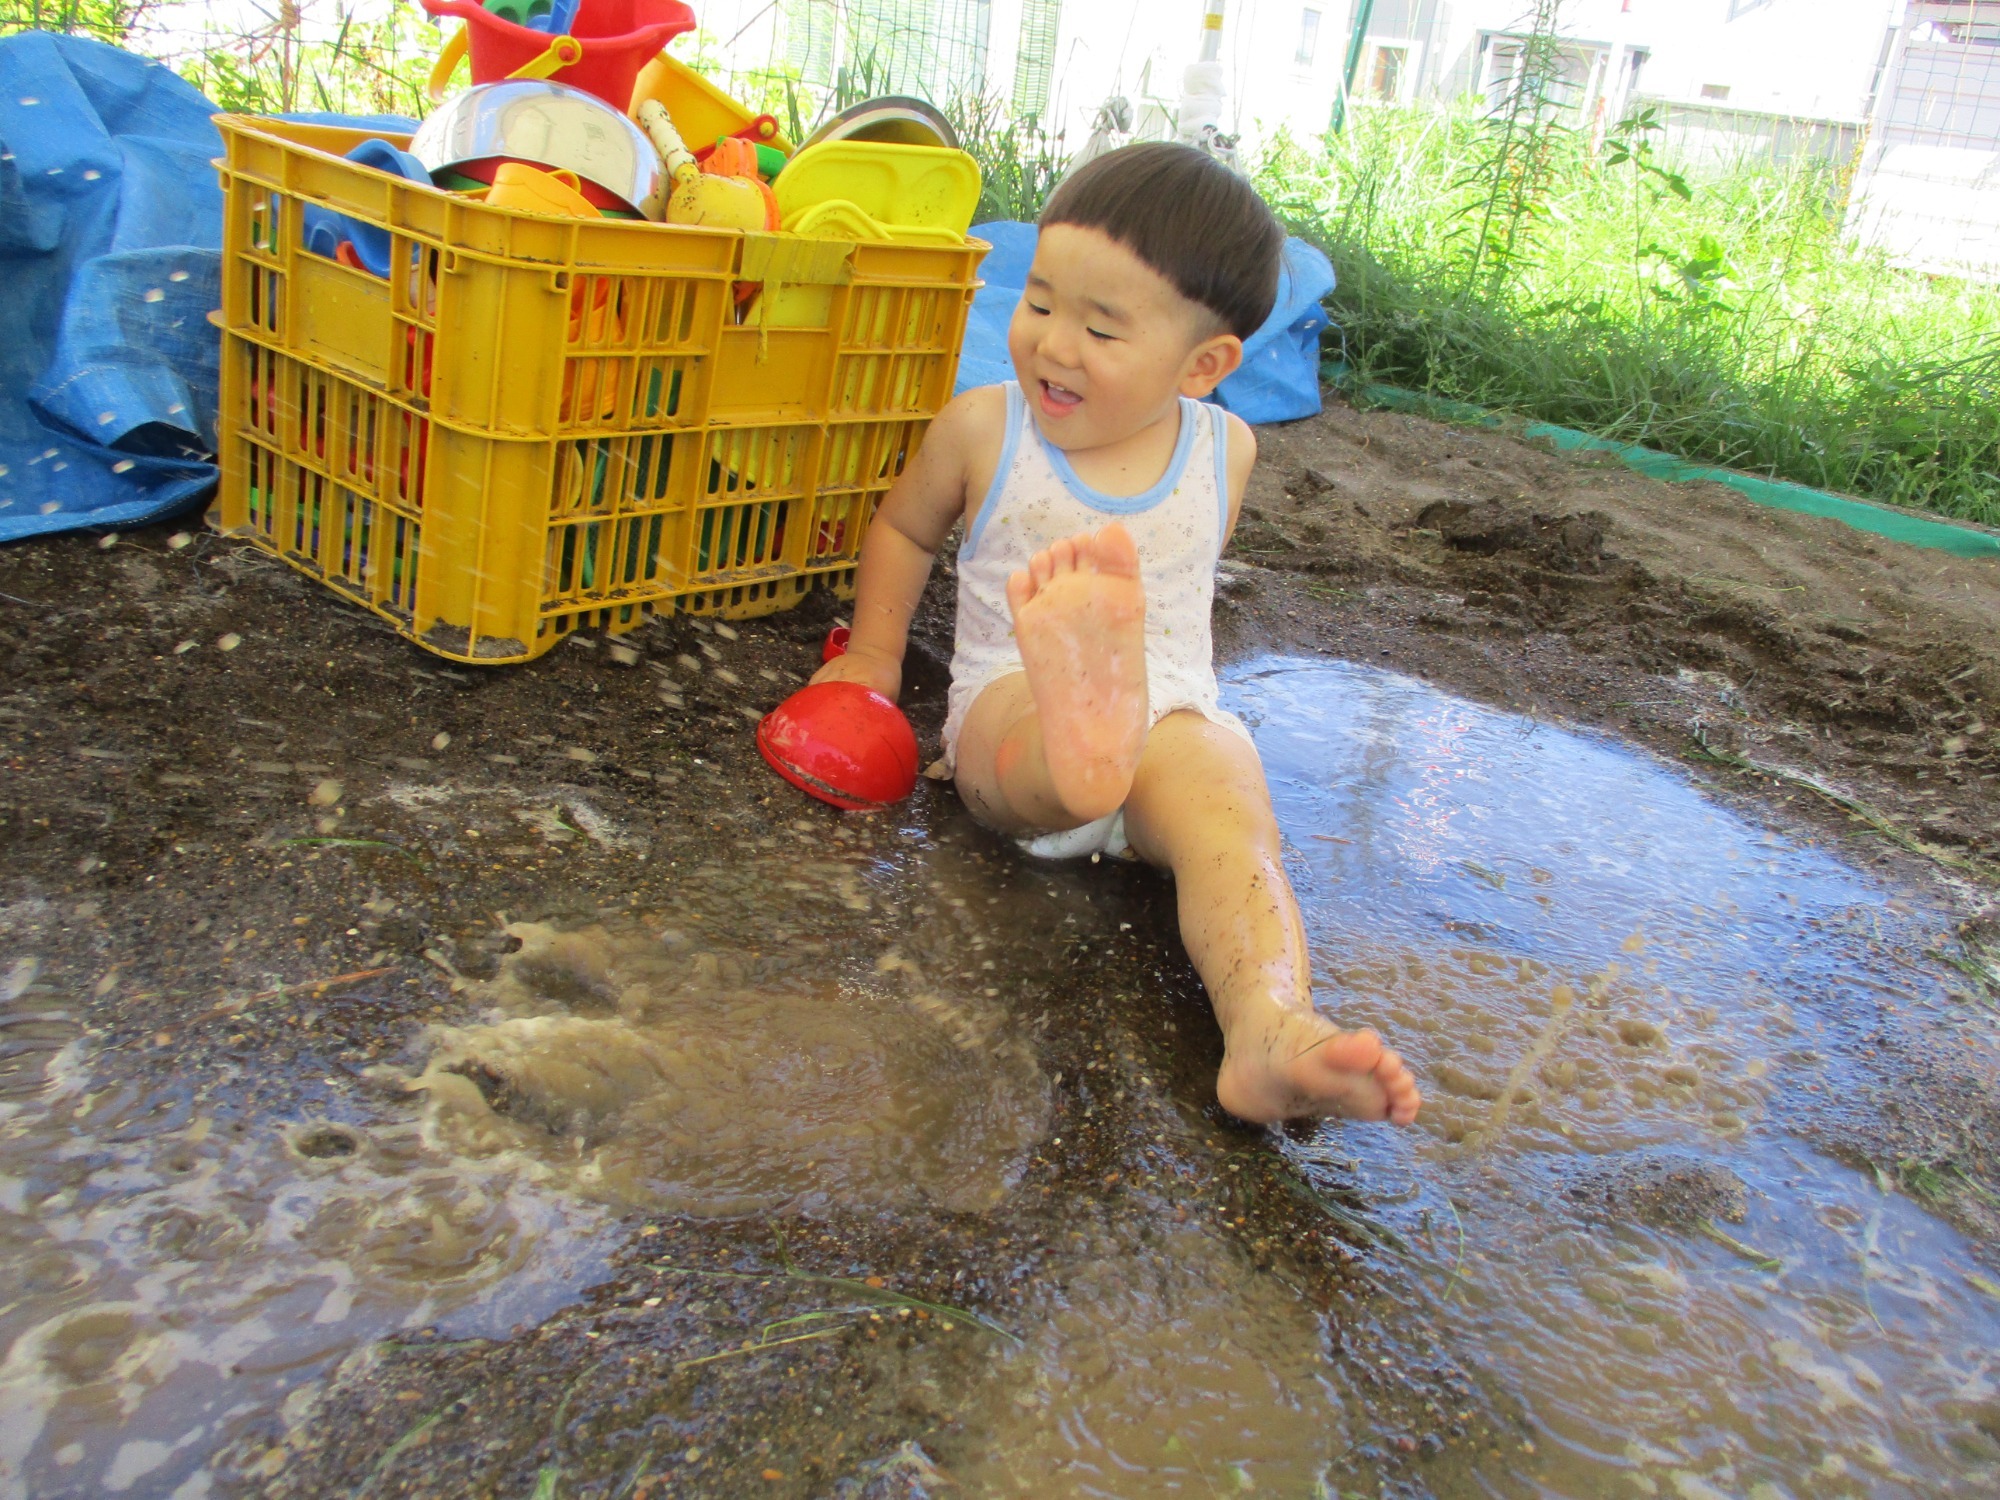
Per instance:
{"type": "Point", "coordinates": [1723, 317]}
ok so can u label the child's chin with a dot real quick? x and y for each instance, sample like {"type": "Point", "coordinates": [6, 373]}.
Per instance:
{"type": "Point", "coordinates": [1065, 432]}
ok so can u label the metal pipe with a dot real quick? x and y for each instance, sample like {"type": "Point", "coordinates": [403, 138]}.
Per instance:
{"type": "Point", "coordinates": [1364, 12]}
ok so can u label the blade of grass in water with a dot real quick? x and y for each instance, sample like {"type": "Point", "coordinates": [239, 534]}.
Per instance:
{"type": "Point", "coordinates": [879, 1296]}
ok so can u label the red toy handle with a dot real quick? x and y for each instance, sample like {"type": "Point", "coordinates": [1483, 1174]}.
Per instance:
{"type": "Point", "coordinates": [836, 643]}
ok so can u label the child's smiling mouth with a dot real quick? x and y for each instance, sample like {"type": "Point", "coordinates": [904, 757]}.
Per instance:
{"type": "Point", "coordinates": [1059, 400]}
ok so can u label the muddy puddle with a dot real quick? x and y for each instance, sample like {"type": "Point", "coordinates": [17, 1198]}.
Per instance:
{"type": "Point", "coordinates": [174, 1269]}
{"type": "Point", "coordinates": [626, 1065]}
{"type": "Point", "coordinates": [1620, 996]}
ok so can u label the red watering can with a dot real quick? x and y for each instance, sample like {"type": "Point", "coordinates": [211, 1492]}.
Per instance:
{"type": "Point", "coordinates": [608, 42]}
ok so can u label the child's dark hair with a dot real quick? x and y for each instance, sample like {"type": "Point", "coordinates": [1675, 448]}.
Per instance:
{"type": "Point", "coordinates": [1187, 216]}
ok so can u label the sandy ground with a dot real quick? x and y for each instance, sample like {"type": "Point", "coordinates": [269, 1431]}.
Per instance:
{"type": "Point", "coordinates": [170, 716]}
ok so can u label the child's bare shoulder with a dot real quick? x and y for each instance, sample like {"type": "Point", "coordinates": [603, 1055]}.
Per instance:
{"type": "Point", "coordinates": [1242, 447]}
{"type": "Point", "coordinates": [973, 426]}
{"type": "Point", "coordinates": [978, 415]}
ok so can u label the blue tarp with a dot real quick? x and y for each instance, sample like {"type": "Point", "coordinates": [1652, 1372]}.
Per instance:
{"type": "Point", "coordinates": [1279, 381]}
{"type": "Point", "coordinates": [110, 227]}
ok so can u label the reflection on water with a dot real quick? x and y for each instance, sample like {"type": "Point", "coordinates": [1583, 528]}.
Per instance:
{"type": "Point", "coordinates": [664, 1078]}
{"type": "Point", "coordinates": [1159, 1363]}
{"type": "Point", "coordinates": [172, 1270]}
{"type": "Point", "coordinates": [1596, 969]}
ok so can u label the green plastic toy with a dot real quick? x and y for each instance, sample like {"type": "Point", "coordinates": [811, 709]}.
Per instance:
{"type": "Point", "coordinates": [520, 12]}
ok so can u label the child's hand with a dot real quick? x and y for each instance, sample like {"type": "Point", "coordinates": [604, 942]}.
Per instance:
{"type": "Point", "coordinates": [869, 668]}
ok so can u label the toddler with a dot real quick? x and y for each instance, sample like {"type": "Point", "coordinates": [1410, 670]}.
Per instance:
{"type": "Point", "coordinates": [1096, 491]}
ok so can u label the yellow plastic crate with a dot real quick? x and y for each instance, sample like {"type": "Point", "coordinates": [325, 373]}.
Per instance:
{"type": "Point", "coordinates": [536, 425]}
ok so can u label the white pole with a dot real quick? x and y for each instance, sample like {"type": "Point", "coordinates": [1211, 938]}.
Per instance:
{"type": "Point", "coordinates": [1204, 88]}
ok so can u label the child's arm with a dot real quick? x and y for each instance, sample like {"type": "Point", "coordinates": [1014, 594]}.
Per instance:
{"type": "Point", "coordinates": [1242, 459]}
{"type": "Point", "coordinates": [909, 526]}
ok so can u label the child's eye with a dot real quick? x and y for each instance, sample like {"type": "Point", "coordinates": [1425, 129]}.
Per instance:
{"type": "Point", "coordinates": [1040, 312]}
{"type": "Point", "coordinates": [1109, 338]}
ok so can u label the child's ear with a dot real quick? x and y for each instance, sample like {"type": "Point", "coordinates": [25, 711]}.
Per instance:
{"type": "Point", "coordinates": [1213, 361]}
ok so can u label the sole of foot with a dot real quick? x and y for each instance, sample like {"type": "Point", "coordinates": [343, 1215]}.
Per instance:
{"type": "Point", "coordinates": [1080, 625]}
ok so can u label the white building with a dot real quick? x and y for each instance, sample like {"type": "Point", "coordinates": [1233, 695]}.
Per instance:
{"type": "Point", "coordinates": [1928, 188]}
{"type": "Point", "coordinates": [1057, 60]}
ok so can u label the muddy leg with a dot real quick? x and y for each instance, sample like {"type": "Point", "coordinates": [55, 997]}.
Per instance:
{"type": "Point", "coordinates": [1199, 808]}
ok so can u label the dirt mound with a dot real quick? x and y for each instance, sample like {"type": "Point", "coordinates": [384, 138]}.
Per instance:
{"type": "Point", "coordinates": [1571, 544]}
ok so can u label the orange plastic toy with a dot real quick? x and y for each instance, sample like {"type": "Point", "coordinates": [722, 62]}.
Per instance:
{"type": "Point", "coordinates": [735, 157]}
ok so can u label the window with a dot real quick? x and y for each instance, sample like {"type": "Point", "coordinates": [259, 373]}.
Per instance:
{"type": "Point", "coordinates": [1388, 71]}
{"type": "Point", "coordinates": [1715, 91]}
{"type": "Point", "coordinates": [1385, 74]}
{"type": "Point", "coordinates": [1308, 37]}
{"type": "Point", "coordinates": [1567, 89]}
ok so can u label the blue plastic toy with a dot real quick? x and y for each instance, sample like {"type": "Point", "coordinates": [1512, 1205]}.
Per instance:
{"type": "Point", "coordinates": [325, 229]}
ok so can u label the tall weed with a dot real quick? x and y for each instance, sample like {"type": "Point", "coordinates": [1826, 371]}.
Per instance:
{"type": "Point", "coordinates": [1723, 316]}
{"type": "Point", "coordinates": [292, 59]}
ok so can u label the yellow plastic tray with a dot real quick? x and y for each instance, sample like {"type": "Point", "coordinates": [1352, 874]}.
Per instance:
{"type": "Point", "coordinates": [920, 187]}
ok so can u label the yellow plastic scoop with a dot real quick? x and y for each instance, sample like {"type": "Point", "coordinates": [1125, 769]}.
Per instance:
{"type": "Point", "coordinates": [901, 187]}
{"type": "Point", "coordinates": [700, 109]}
{"type": "Point", "coordinates": [530, 189]}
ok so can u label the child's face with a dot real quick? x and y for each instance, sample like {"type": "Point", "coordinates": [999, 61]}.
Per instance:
{"type": "Point", "coordinates": [1104, 345]}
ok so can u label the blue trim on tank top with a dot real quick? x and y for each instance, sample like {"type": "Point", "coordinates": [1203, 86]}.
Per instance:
{"type": "Point", "coordinates": [1125, 505]}
{"type": "Point", "coordinates": [1017, 412]}
{"type": "Point", "coordinates": [1218, 421]}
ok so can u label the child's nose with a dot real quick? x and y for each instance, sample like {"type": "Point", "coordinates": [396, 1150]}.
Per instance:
{"type": "Point", "coordinates": [1060, 343]}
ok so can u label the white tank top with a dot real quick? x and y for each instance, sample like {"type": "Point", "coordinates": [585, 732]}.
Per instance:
{"type": "Point", "coordinates": [1037, 499]}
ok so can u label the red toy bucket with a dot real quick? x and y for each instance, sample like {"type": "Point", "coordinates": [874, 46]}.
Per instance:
{"type": "Point", "coordinates": [619, 37]}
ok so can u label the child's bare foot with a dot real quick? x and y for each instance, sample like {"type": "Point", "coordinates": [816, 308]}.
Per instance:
{"type": "Point", "coordinates": [1080, 622]}
{"type": "Point", "coordinates": [1290, 1065]}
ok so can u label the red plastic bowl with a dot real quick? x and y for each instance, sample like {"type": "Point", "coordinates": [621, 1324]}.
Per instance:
{"type": "Point", "coordinates": [842, 743]}
{"type": "Point", "coordinates": [619, 38]}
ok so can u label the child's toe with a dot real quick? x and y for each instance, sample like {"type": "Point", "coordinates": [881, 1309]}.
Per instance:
{"type": "Point", "coordinates": [1020, 589]}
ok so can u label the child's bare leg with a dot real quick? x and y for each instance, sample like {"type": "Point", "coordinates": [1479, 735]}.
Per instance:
{"type": "Point", "coordinates": [1055, 746]}
{"type": "Point", "coordinates": [1199, 807]}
